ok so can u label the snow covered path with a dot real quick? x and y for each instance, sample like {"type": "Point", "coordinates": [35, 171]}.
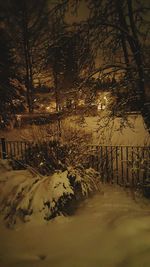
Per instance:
{"type": "Point", "coordinates": [108, 230]}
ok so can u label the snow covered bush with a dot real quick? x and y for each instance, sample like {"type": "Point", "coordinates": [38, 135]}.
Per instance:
{"type": "Point", "coordinates": [77, 142]}
{"type": "Point", "coordinates": [71, 150]}
{"type": "Point", "coordinates": [25, 195]}
{"type": "Point", "coordinates": [84, 181]}
{"type": "Point", "coordinates": [46, 157]}
{"type": "Point", "coordinates": [56, 178]}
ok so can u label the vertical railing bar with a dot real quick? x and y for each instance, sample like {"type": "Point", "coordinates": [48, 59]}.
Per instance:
{"type": "Point", "coordinates": [101, 163]}
{"type": "Point", "coordinates": [122, 176]}
{"type": "Point", "coordinates": [97, 158]}
{"type": "Point", "coordinates": [0, 149]}
{"type": "Point", "coordinates": [3, 142]}
{"type": "Point", "coordinates": [21, 150]}
{"type": "Point", "coordinates": [25, 151]}
{"type": "Point", "coordinates": [17, 149]}
{"type": "Point", "coordinates": [106, 169]}
{"type": "Point", "coordinates": [25, 147]}
{"type": "Point", "coordinates": [8, 149]}
{"type": "Point", "coordinates": [112, 171]}
{"type": "Point", "coordinates": [143, 154]}
{"type": "Point", "coordinates": [146, 164]}
{"type": "Point", "coordinates": [14, 148]}
{"type": "Point", "coordinates": [7, 153]}
{"type": "Point", "coordinates": [91, 157]}
{"type": "Point", "coordinates": [138, 165]}
{"type": "Point", "coordinates": [117, 165]}
{"type": "Point", "coordinates": [132, 162]}
{"type": "Point", "coordinates": [127, 164]}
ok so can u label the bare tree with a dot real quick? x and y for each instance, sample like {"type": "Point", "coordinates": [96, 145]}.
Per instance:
{"type": "Point", "coordinates": [117, 31]}
{"type": "Point", "coordinates": [25, 22]}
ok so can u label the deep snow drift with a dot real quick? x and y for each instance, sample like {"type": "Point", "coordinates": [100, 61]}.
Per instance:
{"type": "Point", "coordinates": [108, 230]}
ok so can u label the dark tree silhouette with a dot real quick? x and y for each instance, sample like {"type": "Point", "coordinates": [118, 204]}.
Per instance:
{"type": "Point", "coordinates": [118, 31]}
{"type": "Point", "coordinates": [25, 21]}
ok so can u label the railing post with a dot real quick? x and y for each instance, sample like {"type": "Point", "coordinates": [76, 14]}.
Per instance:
{"type": "Point", "coordinates": [3, 142]}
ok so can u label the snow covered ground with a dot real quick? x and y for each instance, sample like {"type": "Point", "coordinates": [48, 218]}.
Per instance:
{"type": "Point", "coordinates": [112, 133]}
{"type": "Point", "coordinates": [134, 133]}
{"type": "Point", "coordinates": [109, 230]}
{"type": "Point", "coordinates": [112, 229]}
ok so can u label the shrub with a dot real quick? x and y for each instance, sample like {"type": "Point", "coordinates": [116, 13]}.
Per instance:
{"type": "Point", "coordinates": [57, 177]}
{"type": "Point", "coordinates": [47, 157]}
{"type": "Point", "coordinates": [70, 150]}
{"type": "Point", "coordinates": [76, 141]}
{"type": "Point", "coordinates": [27, 194]}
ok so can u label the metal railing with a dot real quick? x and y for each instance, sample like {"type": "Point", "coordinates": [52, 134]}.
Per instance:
{"type": "Point", "coordinates": [14, 149]}
{"type": "Point", "coordinates": [124, 165]}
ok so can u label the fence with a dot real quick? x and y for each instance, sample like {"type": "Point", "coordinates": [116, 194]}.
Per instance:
{"type": "Point", "coordinates": [14, 149]}
{"type": "Point", "coordinates": [125, 165]}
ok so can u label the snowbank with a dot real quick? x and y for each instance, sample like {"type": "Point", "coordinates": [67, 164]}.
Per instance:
{"type": "Point", "coordinates": [109, 230]}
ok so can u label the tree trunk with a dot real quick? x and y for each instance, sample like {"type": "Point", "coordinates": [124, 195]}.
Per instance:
{"type": "Point", "coordinates": [137, 53]}
{"type": "Point", "coordinates": [123, 25]}
{"type": "Point", "coordinates": [28, 64]}
{"type": "Point", "coordinates": [130, 35]}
